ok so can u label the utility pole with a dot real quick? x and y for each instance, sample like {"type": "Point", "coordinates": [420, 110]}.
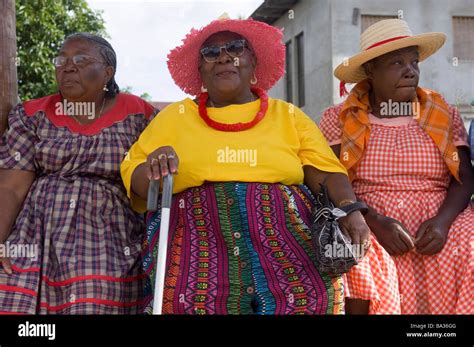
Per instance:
{"type": "Point", "coordinates": [8, 62]}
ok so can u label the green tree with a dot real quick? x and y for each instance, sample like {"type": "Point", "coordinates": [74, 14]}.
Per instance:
{"type": "Point", "coordinates": [129, 90]}
{"type": "Point", "coordinates": [146, 96]}
{"type": "Point", "coordinates": [41, 27]}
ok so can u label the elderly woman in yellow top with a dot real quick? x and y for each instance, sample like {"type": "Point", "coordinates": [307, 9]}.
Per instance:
{"type": "Point", "coordinates": [239, 230]}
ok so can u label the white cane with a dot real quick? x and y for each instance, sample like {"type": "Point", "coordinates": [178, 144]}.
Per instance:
{"type": "Point", "coordinates": [166, 197]}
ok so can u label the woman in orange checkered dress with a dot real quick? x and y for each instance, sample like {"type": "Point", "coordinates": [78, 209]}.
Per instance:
{"type": "Point", "coordinates": [413, 169]}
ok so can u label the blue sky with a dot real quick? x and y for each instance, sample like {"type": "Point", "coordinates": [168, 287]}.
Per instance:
{"type": "Point", "coordinates": [143, 32]}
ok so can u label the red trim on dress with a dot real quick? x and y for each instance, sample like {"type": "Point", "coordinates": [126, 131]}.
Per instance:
{"type": "Point", "coordinates": [79, 278]}
{"type": "Point", "coordinates": [18, 289]}
{"type": "Point", "coordinates": [29, 269]}
{"type": "Point", "coordinates": [79, 301]}
{"type": "Point", "coordinates": [91, 300]}
{"type": "Point", "coordinates": [13, 313]}
{"type": "Point", "coordinates": [91, 277]}
{"type": "Point", "coordinates": [125, 105]}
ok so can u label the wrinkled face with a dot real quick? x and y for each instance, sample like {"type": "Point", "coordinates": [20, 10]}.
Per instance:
{"type": "Point", "coordinates": [85, 80]}
{"type": "Point", "coordinates": [395, 75]}
{"type": "Point", "coordinates": [228, 75]}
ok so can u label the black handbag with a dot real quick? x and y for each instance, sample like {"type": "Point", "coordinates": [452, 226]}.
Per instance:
{"type": "Point", "coordinates": [335, 254]}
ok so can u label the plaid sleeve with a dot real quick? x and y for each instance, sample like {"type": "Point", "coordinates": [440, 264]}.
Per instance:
{"type": "Point", "coordinates": [459, 131]}
{"type": "Point", "coordinates": [17, 145]}
{"type": "Point", "coordinates": [330, 125]}
{"type": "Point", "coordinates": [136, 156]}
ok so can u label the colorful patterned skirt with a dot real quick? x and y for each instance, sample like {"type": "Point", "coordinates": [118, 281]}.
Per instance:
{"type": "Point", "coordinates": [240, 248]}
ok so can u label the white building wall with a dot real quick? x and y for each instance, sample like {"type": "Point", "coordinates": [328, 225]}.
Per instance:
{"type": "Point", "coordinates": [330, 36]}
{"type": "Point", "coordinates": [311, 17]}
{"type": "Point", "coordinates": [456, 83]}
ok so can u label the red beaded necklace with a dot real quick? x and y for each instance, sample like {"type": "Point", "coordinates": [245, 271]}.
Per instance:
{"type": "Point", "coordinates": [237, 126]}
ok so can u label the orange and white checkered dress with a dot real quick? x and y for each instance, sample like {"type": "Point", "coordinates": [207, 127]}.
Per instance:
{"type": "Point", "coordinates": [403, 176]}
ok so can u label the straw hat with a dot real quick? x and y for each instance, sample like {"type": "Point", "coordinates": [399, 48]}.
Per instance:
{"type": "Point", "coordinates": [383, 37]}
{"type": "Point", "coordinates": [265, 40]}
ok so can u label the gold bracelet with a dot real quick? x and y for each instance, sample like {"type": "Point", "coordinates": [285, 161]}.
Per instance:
{"type": "Point", "coordinates": [343, 202]}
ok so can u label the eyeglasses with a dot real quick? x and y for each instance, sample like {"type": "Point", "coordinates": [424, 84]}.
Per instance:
{"type": "Point", "coordinates": [80, 60]}
{"type": "Point", "coordinates": [233, 48]}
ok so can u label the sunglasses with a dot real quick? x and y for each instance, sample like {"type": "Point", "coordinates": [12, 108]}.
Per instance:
{"type": "Point", "coordinates": [80, 60]}
{"type": "Point", "coordinates": [233, 48]}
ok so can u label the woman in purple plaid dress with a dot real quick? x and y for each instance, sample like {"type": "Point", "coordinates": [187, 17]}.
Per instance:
{"type": "Point", "coordinates": [70, 243]}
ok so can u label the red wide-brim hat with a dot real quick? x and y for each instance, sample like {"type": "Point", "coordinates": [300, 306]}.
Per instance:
{"type": "Point", "coordinates": [265, 41]}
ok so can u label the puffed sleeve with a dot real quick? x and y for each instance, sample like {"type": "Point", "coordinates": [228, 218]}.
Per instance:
{"type": "Point", "coordinates": [330, 125]}
{"type": "Point", "coordinates": [135, 157]}
{"type": "Point", "coordinates": [17, 145]}
{"type": "Point", "coordinates": [459, 131]}
{"type": "Point", "coordinates": [314, 149]}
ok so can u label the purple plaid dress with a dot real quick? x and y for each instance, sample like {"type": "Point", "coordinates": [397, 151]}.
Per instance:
{"type": "Point", "coordinates": [82, 239]}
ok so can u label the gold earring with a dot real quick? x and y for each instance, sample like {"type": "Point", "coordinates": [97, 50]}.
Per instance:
{"type": "Point", "coordinates": [105, 89]}
{"type": "Point", "coordinates": [254, 79]}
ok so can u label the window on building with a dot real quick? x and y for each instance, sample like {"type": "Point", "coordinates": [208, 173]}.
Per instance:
{"type": "Point", "coordinates": [289, 72]}
{"type": "Point", "coordinates": [463, 40]}
{"type": "Point", "coordinates": [367, 20]}
{"type": "Point", "coordinates": [300, 69]}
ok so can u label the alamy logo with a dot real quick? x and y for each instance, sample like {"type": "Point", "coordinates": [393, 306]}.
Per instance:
{"type": "Point", "coordinates": [230, 155]}
{"type": "Point", "coordinates": [397, 109]}
{"type": "Point", "coordinates": [342, 250]}
{"type": "Point", "coordinates": [9, 250]}
{"type": "Point", "coordinates": [68, 108]}
{"type": "Point", "coordinates": [37, 330]}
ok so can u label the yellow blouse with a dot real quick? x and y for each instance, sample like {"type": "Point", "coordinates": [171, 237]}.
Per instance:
{"type": "Point", "coordinates": [273, 151]}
